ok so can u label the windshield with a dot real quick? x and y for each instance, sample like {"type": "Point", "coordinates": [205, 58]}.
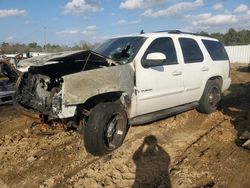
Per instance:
{"type": "Point", "coordinates": [121, 49]}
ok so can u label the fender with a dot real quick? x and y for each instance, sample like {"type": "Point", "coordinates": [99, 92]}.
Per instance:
{"type": "Point", "coordinates": [79, 87]}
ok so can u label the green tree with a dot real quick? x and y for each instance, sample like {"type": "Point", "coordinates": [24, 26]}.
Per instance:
{"type": "Point", "coordinates": [218, 36]}
{"type": "Point", "coordinates": [33, 45]}
{"type": "Point", "coordinates": [203, 33]}
{"type": "Point", "coordinates": [232, 37]}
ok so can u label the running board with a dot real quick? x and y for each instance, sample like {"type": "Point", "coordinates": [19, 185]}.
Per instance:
{"type": "Point", "coordinates": [154, 116]}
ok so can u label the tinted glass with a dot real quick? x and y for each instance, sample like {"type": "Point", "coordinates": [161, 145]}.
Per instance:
{"type": "Point", "coordinates": [165, 46]}
{"type": "Point", "coordinates": [122, 49]}
{"type": "Point", "coordinates": [191, 50]}
{"type": "Point", "coordinates": [216, 50]}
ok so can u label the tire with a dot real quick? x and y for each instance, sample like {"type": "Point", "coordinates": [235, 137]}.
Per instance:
{"type": "Point", "coordinates": [210, 97]}
{"type": "Point", "coordinates": [106, 128]}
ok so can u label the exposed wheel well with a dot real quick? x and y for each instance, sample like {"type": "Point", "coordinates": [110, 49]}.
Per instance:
{"type": "Point", "coordinates": [217, 79]}
{"type": "Point", "coordinates": [116, 97]}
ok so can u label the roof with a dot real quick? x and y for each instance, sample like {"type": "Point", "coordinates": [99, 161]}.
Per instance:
{"type": "Point", "coordinates": [170, 33]}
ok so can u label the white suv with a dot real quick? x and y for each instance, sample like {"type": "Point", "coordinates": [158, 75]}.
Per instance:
{"type": "Point", "coordinates": [126, 81]}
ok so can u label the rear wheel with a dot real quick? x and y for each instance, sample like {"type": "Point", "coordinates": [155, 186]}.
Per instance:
{"type": "Point", "coordinates": [106, 128]}
{"type": "Point", "coordinates": [210, 98]}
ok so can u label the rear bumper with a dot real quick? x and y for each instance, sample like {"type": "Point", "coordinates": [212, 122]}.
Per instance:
{"type": "Point", "coordinates": [226, 84]}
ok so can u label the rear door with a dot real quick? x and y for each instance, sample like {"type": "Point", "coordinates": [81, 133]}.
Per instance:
{"type": "Point", "coordinates": [195, 69]}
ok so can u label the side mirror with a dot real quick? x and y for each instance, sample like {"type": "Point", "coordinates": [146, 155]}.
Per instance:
{"type": "Point", "coordinates": [154, 59]}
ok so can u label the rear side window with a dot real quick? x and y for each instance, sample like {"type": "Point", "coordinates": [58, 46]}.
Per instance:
{"type": "Point", "coordinates": [191, 50]}
{"type": "Point", "coordinates": [216, 50]}
{"type": "Point", "coordinates": [164, 45]}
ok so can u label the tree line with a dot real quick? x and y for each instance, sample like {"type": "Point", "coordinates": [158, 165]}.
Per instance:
{"type": "Point", "coordinates": [10, 48]}
{"type": "Point", "coordinates": [231, 37]}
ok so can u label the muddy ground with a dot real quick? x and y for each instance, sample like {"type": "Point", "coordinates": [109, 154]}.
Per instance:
{"type": "Point", "coordinates": [188, 150]}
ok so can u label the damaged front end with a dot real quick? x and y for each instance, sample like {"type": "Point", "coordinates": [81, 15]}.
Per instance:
{"type": "Point", "coordinates": [37, 92]}
{"type": "Point", "coordinates": [50, 89]}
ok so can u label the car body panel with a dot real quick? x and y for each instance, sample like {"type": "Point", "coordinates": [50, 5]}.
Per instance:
{"type": "Point", "coordinates": [79, 87]}
{"type": "Point", "coordinates": [157, 87]}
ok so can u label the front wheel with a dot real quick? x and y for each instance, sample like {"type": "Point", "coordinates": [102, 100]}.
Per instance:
{"type": "Point", "coordinates": [210, 97]}
{"type": "Point", "coordinates": [106, 128]}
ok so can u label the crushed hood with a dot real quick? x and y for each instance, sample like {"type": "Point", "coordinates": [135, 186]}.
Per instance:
{"type": "Point", "coordinates": [46, 59]}
{"type": "Point", "coordinates": [55, 58]}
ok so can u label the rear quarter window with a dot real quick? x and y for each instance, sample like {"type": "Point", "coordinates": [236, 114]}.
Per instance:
{"type": "Point", "coordinates": [216, 50]}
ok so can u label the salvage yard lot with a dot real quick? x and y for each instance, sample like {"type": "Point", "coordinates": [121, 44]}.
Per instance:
{"type": "Point", "coordinates": [194, 150]}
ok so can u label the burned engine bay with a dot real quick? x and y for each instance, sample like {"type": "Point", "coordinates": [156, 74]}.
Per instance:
{"type": "Point", "coordinates": [40, 89]}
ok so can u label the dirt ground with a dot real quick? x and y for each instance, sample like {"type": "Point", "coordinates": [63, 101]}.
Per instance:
{"type": "Point", "coordinates": [187, 150]}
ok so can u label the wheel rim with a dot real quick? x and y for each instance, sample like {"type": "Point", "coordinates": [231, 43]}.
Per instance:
{"type": "Point", "coordinates": [114, 131]}
{"type": "Point", "coordinates": [214, 96]}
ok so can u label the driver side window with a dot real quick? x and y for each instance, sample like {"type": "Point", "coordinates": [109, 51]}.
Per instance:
{"type": "Point", "coordinates": [163, 45]}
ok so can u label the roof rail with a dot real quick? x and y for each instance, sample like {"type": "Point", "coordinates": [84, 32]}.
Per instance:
{"type": "Point", "coordinates": [176, 32]}
{"type": "Point", "coordinates": [169, 31]}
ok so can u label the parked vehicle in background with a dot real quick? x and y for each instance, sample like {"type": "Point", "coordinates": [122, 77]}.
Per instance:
{"type": "Point", "coordinates": [6, 91]}
{"type": "Point", "coordinates": [7, 88]}
{"type": "Point", "coordinates": [126, 81]}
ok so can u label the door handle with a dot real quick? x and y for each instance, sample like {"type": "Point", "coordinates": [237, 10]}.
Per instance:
{"type": "Point", "coordinates": [176, 73]}
{"type": "Point", "coordinates": [204, 69]}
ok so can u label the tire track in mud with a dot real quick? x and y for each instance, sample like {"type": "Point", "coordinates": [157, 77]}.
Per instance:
{"type": "Point", "coordinates": [214, 160]}
{"type": "Point", "coordinates": [183, 156]}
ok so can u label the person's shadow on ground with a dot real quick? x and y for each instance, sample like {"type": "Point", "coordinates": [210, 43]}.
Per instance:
{"type": "Point", "coordinates": [152, 163]}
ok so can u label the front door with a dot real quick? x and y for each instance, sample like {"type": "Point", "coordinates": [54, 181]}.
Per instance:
{"type": "Point", "coordinates": [159, 87]}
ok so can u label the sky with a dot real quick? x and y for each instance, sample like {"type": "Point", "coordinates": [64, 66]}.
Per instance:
{"type": "Point", "coordinates": [67, 22]}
